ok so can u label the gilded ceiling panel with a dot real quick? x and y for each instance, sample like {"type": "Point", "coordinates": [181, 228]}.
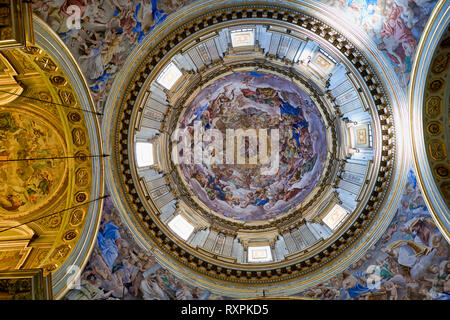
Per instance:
{"type": "Point", "coordinates": [45, 172]}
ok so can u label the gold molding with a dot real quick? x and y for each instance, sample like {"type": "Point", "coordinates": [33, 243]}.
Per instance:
{"type": "Point", "coordinates": [9, 86]}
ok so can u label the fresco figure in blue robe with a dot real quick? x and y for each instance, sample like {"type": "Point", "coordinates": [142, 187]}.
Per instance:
{"type": "Point", "coordinates": [108, 239]}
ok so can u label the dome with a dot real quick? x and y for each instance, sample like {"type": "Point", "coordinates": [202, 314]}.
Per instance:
{"type": "Point", "coordinates": [252, 112]}
{"type": "Point", "coordinates": [429, 119]}
{"type": "Point", "coordinates": [252, 149]}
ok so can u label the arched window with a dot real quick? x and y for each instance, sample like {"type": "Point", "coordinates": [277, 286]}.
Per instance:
{"type": "Point", "coordinates": [181, 227]}
{"type": "Point", "coordinates": [144, 154]}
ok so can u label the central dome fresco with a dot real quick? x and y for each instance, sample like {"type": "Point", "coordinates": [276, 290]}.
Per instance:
{"type": "Point", "coordinates": [256, 143]}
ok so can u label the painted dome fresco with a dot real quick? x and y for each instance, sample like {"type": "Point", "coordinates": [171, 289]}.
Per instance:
{"type": "Point", "coordinates": [276, 158]}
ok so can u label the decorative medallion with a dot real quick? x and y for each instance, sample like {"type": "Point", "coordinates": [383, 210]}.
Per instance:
{"type": "Point", "coordinates": [441, 63]}
{"type": "Point", "coordinates": [82, 177]}
{"type": "Point", "coordinates": [58, 80]}
{"type": "Point", "coordinates": [46, 64]}
{"type": "Point", "coordinates": [67, 98]}
{"type": "Point", "coordinates": [437, 150]}
{"type": "Point", "coordinates": [80, 197]}
{"type": "Point", "coordinates": [74, 117]}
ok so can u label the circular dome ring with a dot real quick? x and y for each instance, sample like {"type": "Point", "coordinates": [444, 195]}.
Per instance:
{"type": "Point", "coordinates": [176, 257]}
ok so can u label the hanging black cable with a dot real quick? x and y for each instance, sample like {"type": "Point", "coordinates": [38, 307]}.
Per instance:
{"type": "Point", "coordinates": [57, 158]}
{"type": "Point", "coordinates": [54, 103]}
{"type": "Point", "coordinates": [52, 214]}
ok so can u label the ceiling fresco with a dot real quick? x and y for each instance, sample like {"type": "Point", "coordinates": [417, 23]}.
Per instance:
{"type": "Point", "coordinates": [120, 270]}
{"type": "Point", "coordinates": [256, 101]}
{"type": "Point", "coordinates": [412, 259]}
{"type": "Point", "coordinates": [26, 186]}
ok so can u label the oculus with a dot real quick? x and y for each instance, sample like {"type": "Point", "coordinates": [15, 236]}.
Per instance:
{"type": "Point", "coordinates": [335, 217]}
